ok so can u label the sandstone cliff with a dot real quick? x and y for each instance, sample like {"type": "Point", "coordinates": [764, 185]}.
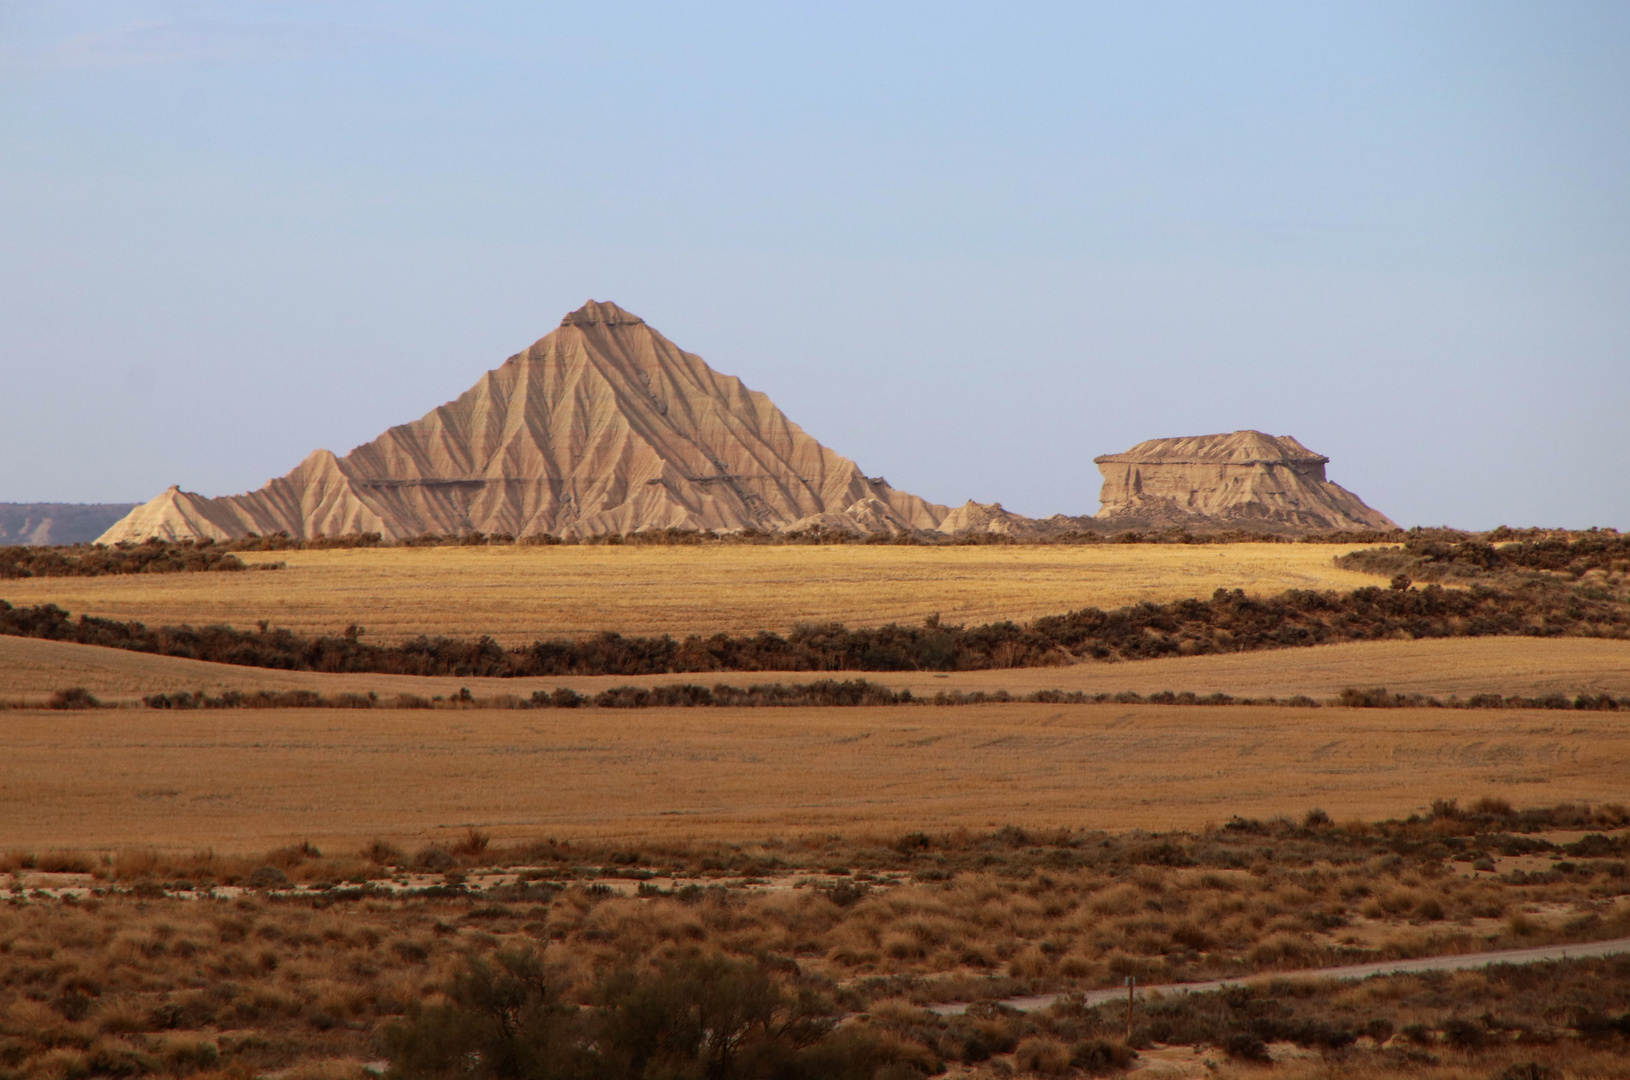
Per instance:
{"type": "Point", "coordinates": [603, 426]}
{"type": "Point", "coordinates": [1242, 480]}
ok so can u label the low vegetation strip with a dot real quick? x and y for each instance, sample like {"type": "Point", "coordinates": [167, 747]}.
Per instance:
{"type": "Point", "coordinates": [1441, 557]}
{"type": "Point", "coordinates": [1228, 622]}
{"type": "Point", "coordinates": [823, 693]}
{"type": "Point", "coordinates": [95, 560]}
{"type": "Point", "coordinates": [1379, 697]}
{"type": "Point", "coordinates": [1075, 531]}
{"type": "Point", "coordinates": [826, 693]}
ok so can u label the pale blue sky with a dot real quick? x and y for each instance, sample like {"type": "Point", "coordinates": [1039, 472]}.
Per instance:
{"type": "Point", "coordinates": [969, 246]}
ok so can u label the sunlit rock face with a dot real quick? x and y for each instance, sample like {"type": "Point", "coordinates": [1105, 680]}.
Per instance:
{"type": "Point", "coordinates": [1241, 480]}
{"type": "Point", "coordinates": [603, 426]}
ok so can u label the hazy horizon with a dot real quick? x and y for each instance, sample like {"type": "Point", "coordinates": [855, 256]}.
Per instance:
{"type": "Point", "coordinates": [970, 249]}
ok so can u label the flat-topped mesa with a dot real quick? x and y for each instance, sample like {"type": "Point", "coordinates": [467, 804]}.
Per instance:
{"type": "Point", "coordinates": [602, 426]}
{"type": "Point", "coordinates": [1246, 479]}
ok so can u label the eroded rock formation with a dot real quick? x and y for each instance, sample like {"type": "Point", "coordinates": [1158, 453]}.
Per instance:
{"type": "Point", "coordinates": [603, 426]}
{"type": "Point", "coordinates": [974, 517]}
{"type": "Point", "coordinates": [1241, 480]}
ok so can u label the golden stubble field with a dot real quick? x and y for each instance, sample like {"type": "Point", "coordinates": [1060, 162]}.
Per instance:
{"type": "Point", "coordinates": [517, 594]}
{"type": "Point", "coordinates": [247, 780]}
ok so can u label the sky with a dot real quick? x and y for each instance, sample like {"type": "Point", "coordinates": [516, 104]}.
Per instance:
{"type": "Point", "coordinates": [970, 246]}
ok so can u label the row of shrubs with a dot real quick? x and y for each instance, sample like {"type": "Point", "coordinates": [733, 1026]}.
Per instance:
{"type": "Point", "coordinates": [1378, 697]}
{"type": "Point", "coordinates": [824, 693]}
{"type": "Point", "coordinates": [1537, 548]}
{"type": "Point", "coordinates": [1432, 557]}
{"type": "Point", "coordinates": [1229, 622]}
{"type": "Point", "coordinates": [1077, 532]}
{"type": "Point", "coordinates": [1069, 531]}
{"type": "Point", "coordinates": [97, 560]}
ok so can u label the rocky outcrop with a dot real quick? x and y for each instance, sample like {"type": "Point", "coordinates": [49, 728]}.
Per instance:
{"type": "Point", "coordinates": [603, 426]}
{"type": "Point", "coordinates": [1242, 480]}
{"type": "Point", "coordinates": [989, 518]}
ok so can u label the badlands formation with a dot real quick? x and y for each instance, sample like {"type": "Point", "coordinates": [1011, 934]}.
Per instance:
{"type": "Point", "coordinates": [1243, 480]}
{"type": "Point", "coordinates": [605, 426]}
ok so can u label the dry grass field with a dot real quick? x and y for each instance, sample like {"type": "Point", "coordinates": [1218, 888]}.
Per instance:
{"type": "Point", "coordinates": [243, 780]}
{"type": "Point", "coordinates": [518, 594]}
{"type": "Point", "coordinates": [238, 972]}
{"type": "Point", "coordinates": [31, 670]}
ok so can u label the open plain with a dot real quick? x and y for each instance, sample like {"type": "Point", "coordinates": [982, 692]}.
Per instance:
{"type": "Point", "coordinates": [517, 594]}
{"type": "Point", "coordinates": [339, 871]}
{"type": "Point", "coordinates": [247, 780]}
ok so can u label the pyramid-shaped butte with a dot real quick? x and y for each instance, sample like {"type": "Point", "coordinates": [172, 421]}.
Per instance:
{"type": "Point", "coordinates": [603, 426]}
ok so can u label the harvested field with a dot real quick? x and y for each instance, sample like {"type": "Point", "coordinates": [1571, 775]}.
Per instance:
{"type": "Point", "coordinates": [245, 780]}
{"type": "Point", "coordinates": [1530, 667]}
{"type": "Point", "coordinates": [518, 594]}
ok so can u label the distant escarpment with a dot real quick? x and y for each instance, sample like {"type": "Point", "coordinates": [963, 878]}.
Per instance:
{"type": "Point", "coordinates": [1241, 480]}
{"type": "Point", "coordinates": [44, 524]}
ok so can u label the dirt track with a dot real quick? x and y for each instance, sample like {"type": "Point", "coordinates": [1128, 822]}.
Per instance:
{"type": "Point", "coordinates": [1462, 962]}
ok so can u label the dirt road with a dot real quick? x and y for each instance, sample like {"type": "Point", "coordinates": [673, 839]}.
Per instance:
{"type": "Point", "coordinates": [1352, 971]}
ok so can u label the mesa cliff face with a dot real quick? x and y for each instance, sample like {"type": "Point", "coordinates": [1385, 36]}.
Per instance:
{"type": "Point", "coordinates": [603, 426]}
{"type": "Point", "coordinates": [1241, 480]}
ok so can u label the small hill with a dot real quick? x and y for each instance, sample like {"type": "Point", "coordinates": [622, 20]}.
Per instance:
{"type": "Point", "coordinates": [974, 517]}
{"type": "Point", "coordinates": [41, 524]}
{"type": "Point", "coordinates": [1245, 479]}
{"type": "Point", "coordinates": [603, 426]}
